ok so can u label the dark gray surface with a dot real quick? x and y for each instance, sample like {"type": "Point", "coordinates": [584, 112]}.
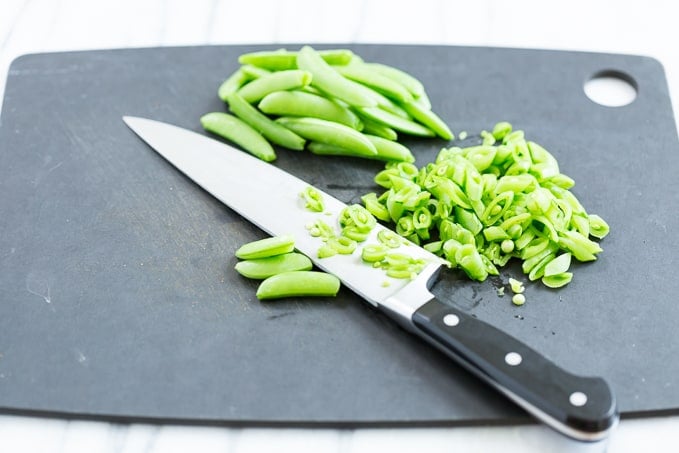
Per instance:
{"type": "Point", "coordinates": [117, 295]}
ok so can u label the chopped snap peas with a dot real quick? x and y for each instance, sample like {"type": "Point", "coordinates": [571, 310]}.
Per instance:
{"type": "Point", "coordinates": [276, 81]}
{"type": "Point", "coordinates": [597, 226]}
{"type": "Point", "coordinates": [300, 103]}
{"type": "Point", "coordinates": [326, 79]}
{"type": "Point", "coordinates": [373, 253]}
{"type": "Point", "coordinates": [319, 228]}
{"type": "Point", "coordinates": [389, 238]}
{"type": "Point", "coordinates": [558, 280]}
{"type": "Point", "coordinates": [263, 248]}
{"type": "Point", "coordinates": [488, 204]}
{"type": "Point", "coordinates": [298, 283]}
{"type": "Point", "coordinates": [281, 59]}
{"type": "Point", "coordinates": [313, 198]}
{"type": "Point", "coordinates": [239, 132]}
{"type": "Point", "coordinates": [558, 265]}
{"type": "Point", "coordinates": [270, 129]}
{"type": "Point", "coordinates": [261, 268]}
{"type": "Point", "coordinates": [330, 133]}
{"type": "Point", "coordinates": [342, 245]}
{"type": "Point", "coordinates": [516, 286]}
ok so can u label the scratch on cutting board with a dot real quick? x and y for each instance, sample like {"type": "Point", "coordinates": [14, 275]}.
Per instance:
{"type": "Point", "coordinates": [45, 295]}
{"type": "Point", "coordinates": [42, 176]}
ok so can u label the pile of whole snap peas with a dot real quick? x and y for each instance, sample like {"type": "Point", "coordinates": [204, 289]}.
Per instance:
{"type": "Point", "coordinates": [330, 102]}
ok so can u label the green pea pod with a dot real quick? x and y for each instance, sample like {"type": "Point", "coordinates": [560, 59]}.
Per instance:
{"type": "Point", "coordinates": [298, 283]}
{"type": "Point", "coordinates": [330, 133]}
{"type": "Point", "coordinates": [390, 150]}
{"type": "Point", "coordinates": [279, 60]}
{"type": "Point", "coordinates": [239, 132]}
{"type": "Point", "coordinates": [386, 150]}
{"type": "Point", "coordinates": [267, 247]}
{"type": "Point", "coordinates": [232, 84]}
{"type": "Point", "coordinates": [395, 122]}
{"type": "Point", "coordinates": [271, 130]}
{"type": "Point", "coordinates": [326, 79]}
{"type": "Point", "coordinates": [365, 75]}
{"type": "Point", "coordinates": [300, 103]}
{"type": "Point", "coordinates": [261, 268]}
{"type": "Point", "coordinates": [429, 119]}
{"type": "Point", "coordinates": [380, 130]}
{"type": "Point", "coordinates": [253, 72]}
{"type": "Point", "coordinates": [408, 81]}
{"type": "Point", "coordinates": [276, 81]}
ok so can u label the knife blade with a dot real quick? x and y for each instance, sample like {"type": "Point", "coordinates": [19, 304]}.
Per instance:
{"type": "Point", "coordinates": [583, 408]}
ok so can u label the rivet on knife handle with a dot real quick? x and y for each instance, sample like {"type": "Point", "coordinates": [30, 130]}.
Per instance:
{"type": "Point", "coordinates": [583, 408]}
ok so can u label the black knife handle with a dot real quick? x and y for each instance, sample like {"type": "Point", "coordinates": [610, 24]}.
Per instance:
{"type": "Point", "coordinates": [583, 408]}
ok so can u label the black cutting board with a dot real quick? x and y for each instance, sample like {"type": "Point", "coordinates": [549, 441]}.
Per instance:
{"type": "Point", "coordinates": [118, 298]}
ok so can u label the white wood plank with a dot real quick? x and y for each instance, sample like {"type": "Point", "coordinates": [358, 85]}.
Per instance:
{"type": "Point", "coordinates": [31, 435]}
{"type": "Point", "coordinates": [287, 440]}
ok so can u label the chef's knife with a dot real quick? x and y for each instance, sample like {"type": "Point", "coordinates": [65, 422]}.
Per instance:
{"type": "Point", "coordinates": [583, 408]}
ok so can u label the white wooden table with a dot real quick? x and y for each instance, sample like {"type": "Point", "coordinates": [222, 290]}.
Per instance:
{"type": "Point", "coordinates": [29, 26]}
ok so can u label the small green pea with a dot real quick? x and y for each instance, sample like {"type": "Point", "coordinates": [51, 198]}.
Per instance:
{"type": "Point", "coordinates": [263, 248]}
{"type": "Point", "coordinates": [518, 299]}
{"type": "Point", "coordinates": [261, 268]}
{"type": "Point", "coordinates": [298, 283]}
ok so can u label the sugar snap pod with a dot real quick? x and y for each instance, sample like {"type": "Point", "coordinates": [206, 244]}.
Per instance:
{"type": "Point", "coordinates": [298, 283]}
{"type": "Point", "coordinates": [271, 130]}
{"type": "Point", "coordinates": [263, 248]}
{"type": "Point", "coordinates": [261, 268]}
{"type": "Point", "coordinates": [239, 132]}
{"type": "Point", "coordinates": [329, 132]}
{"type": "Point", "coordinates": [300, 103]}
{"type": "Point", "coordinates": [326, 79]}
{"type": "Point", "coordinates": [276, 81]}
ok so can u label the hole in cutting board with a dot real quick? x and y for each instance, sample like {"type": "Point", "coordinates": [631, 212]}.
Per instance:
{"type": "Point", "coordinates": [611, 88]}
